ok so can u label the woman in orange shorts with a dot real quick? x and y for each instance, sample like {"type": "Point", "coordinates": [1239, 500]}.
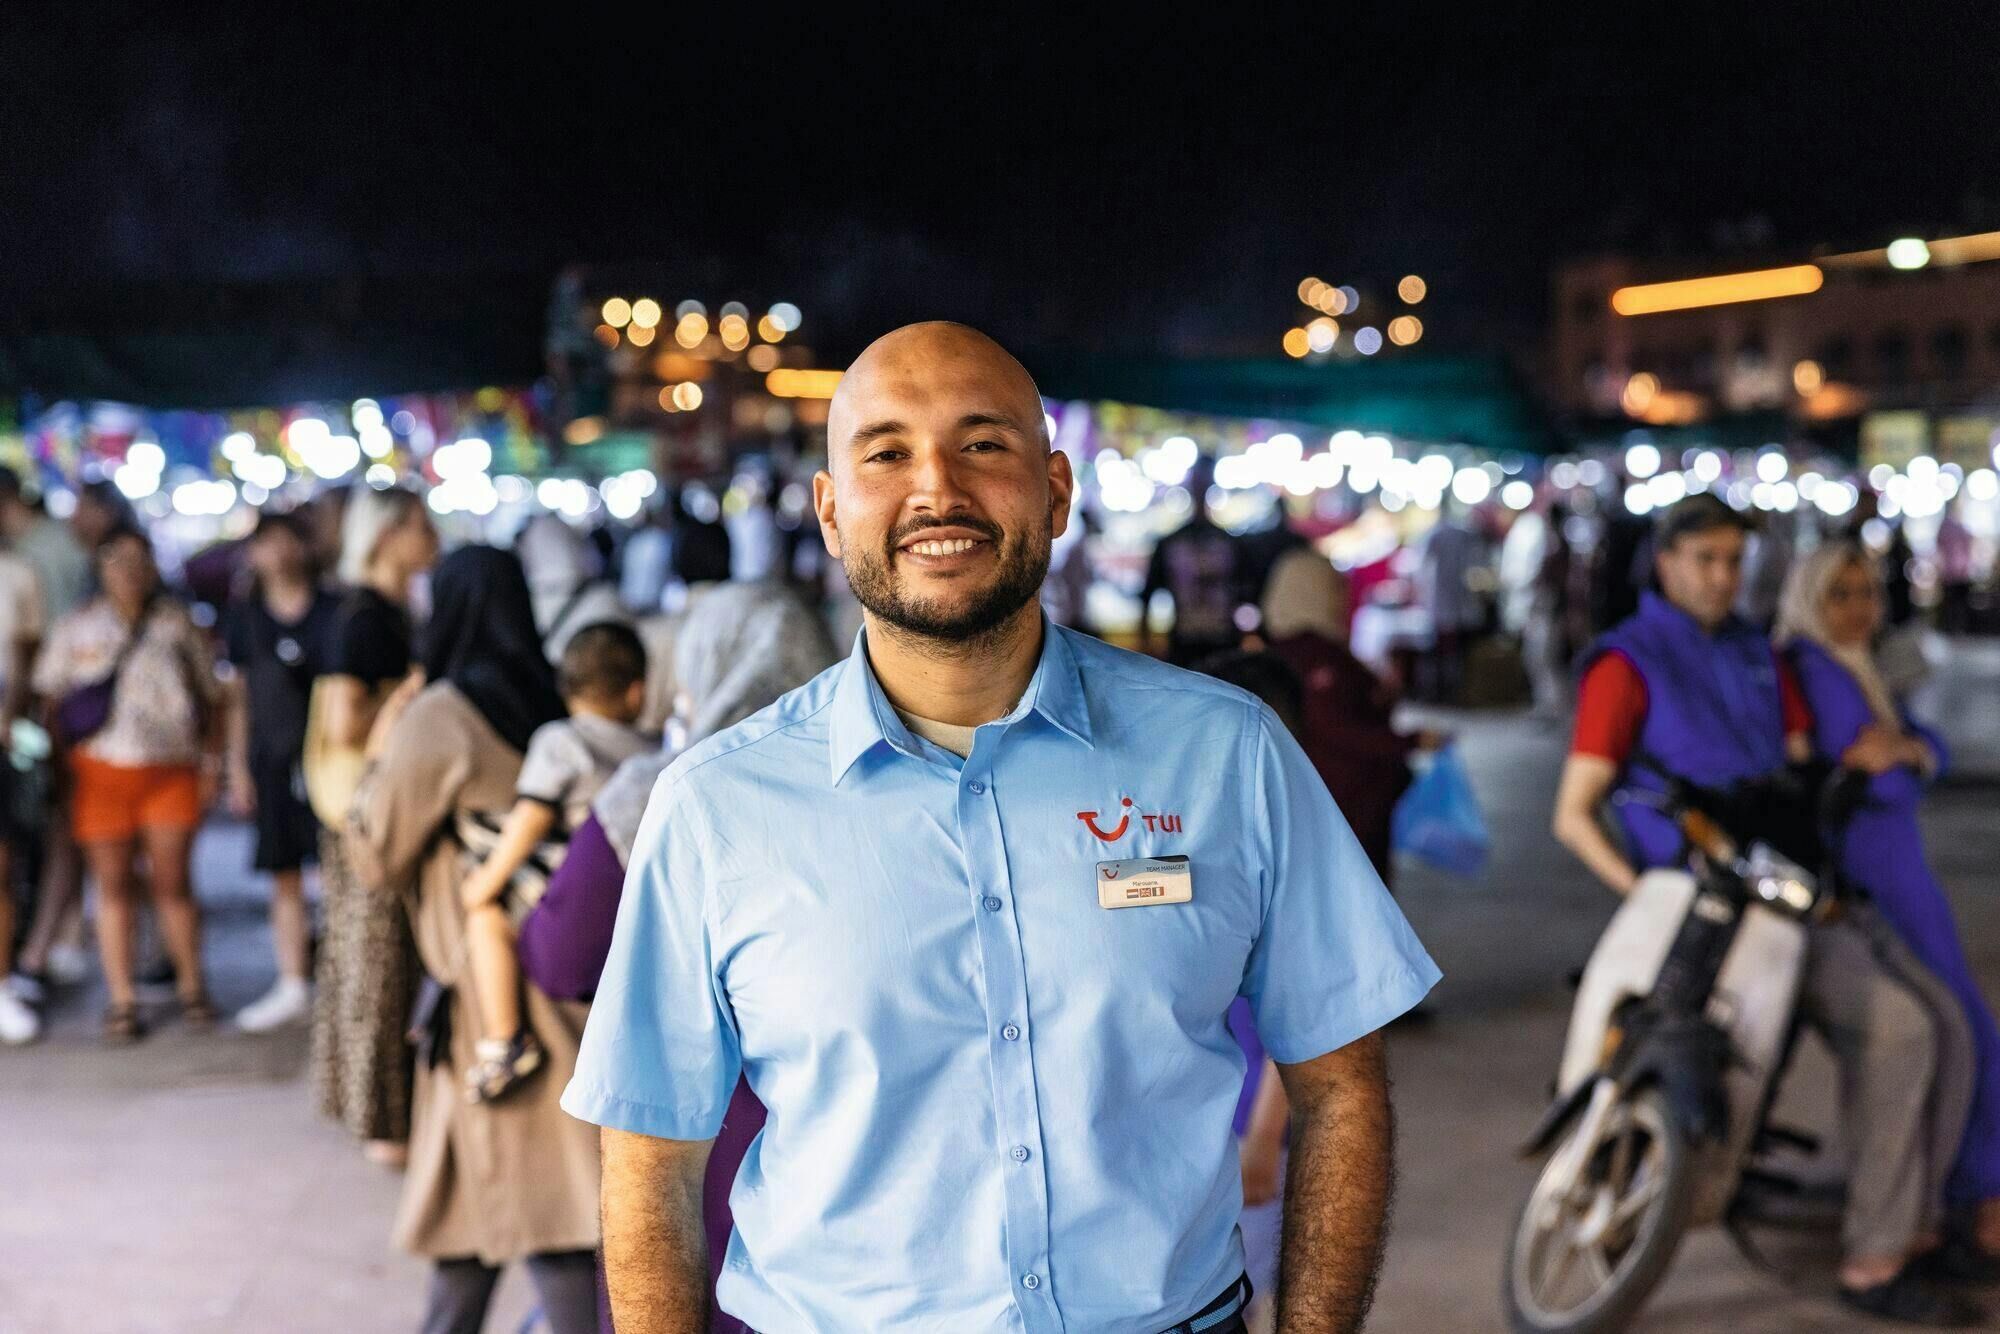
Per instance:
{"type": "Point", "coordinates": [144, 767]}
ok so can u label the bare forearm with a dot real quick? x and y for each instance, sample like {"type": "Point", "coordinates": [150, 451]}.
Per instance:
{"type": "Point", "coordinates": [527, 825]}
{"type": "Point", "coordinates": [1586, 781]}
{"type": "Point", "coordinates": [1337, 1191]}
{"type": "Point", "coordinates": [350, 711]}
{"type": "Point", "coordinates": [1582, 835]}
{"type": "Point", "coordinates": [236, 708]}
{"type": "Point", "coordinates": [655, 1251]}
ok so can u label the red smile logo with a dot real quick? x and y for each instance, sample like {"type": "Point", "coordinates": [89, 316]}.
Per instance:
{"type": "Point", "coordinates": [1089, 819]}
{"type": "Point", "coordinates": [1156, 822]}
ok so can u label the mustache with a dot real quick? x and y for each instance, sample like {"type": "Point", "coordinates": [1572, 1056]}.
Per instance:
{"type": "Point", "coordinates": [903, 532]}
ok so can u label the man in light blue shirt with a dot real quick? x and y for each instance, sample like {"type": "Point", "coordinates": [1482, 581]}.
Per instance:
{"type": "Point", "coordinates": [968, 910]}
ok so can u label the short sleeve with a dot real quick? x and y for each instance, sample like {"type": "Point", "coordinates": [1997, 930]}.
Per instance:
{"type": "Point", "coordinates": [1334, 958]}
{"type": "Point", "coordinates": [556, 761]}
{"type": "Point", "coordinates": [370, 642]}
{"type": "Point", "coordinates": [1610, 709]}
{"type": "Point", "coordinates": [660, 1054]}
{"type": "Point", "coordinates": [1792, 705]}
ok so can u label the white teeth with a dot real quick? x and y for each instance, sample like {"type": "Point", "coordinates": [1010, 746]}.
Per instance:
{"type": "Point", "coordinates": [951, 548]}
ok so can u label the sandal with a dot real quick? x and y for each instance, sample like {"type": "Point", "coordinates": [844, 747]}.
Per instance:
{"type": "Point", "coordinates": [198, 1011]}
{"type": "Point", "coordinates": [122, 1024]}
{"type": "Point", "coordinates": [502, 1066]}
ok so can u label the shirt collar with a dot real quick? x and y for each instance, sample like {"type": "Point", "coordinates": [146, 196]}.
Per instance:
{"type": "Point", "coordinates": [1732, 626]}
{"type": "Point", "coordinates": [862, 717]}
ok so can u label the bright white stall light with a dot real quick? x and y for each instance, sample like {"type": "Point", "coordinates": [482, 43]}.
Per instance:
{"type": "Point", "coordinates": [1642, 460]}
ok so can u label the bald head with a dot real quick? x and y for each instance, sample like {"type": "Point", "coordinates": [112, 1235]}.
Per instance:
{"type": "Point", "coordinates": [941, 494]}
{"type": "Point", "coordinates": [932, 370]}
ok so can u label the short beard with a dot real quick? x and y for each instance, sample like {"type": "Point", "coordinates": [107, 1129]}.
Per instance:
{"type": "Point", "coordinates": [1023, 565]}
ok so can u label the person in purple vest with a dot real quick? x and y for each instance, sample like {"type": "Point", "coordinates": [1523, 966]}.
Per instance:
{"type": "Point", "coordinates": [1683, 688]}
{"type": "Point", "coordinates": [1827, 622]}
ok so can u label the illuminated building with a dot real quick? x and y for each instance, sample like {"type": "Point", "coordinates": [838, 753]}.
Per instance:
{"type": "Point", "coordinates": [1830, 340]}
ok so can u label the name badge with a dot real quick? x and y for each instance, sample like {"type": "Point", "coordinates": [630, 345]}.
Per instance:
{"type": "Point", "coordinates": [1140, 881]}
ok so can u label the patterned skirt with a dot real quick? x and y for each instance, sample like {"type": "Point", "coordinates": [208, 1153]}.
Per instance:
{"type": "Point", "coordinates": [367, 979]}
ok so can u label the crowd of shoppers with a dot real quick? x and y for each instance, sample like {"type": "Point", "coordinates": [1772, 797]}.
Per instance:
{"type": "Point", "coordinates": [461, 752]}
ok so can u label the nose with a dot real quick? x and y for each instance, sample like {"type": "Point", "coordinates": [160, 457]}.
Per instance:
{"type": "Point", "coordinates": [936, 486]}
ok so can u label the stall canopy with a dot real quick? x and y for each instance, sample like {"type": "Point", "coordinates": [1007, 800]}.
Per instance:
{"type": "Point", "coordinates": [1473, 401]}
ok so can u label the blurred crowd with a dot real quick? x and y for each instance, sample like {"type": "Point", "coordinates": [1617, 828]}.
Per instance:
{"type": "Point", "coordinates": [456, 749]}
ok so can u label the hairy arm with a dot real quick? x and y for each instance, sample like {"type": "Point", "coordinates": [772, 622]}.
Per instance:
{"type": "Point", "coordinates": [1586, 781]}
{"type": "Point", "coordinates": [1337, 1188]}
{"type": "Point", "coordinates": [655, 1252]}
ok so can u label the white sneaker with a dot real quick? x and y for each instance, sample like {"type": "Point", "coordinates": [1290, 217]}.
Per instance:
{"type": "Point", "coordinates": [18, 1022]}
{"type": "Point", "coordinates": [288, 1001]}
{"type": "Point", "coordinates": [68, 965]}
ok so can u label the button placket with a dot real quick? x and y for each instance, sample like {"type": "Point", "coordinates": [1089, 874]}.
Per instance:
{"type": "Point", "coordinates": [1017, 1121]}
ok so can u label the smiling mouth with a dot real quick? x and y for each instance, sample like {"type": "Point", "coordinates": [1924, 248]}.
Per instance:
{"type": "Point", "coordinates": [947, 547]}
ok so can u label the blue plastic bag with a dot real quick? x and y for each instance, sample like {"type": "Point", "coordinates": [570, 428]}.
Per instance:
{"type": "Point", "coordinates": [1438, 818]}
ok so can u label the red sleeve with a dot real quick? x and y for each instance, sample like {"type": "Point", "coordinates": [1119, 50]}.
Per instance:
{"type": "Point", "coordinates": [1610, 709]}
{"type": "Point", "coordinates": [1792, 700]}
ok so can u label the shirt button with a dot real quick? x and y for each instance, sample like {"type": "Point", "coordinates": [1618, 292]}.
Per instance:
{"type": "Point", "coordinates": [990, 903]}
{"type": "Point", "coordinates": [1031, 1281]}
{"type": "Point", "coordinates": [975, 787]}
{"type": "Point", "coordinates": [1019, 1153]}
{"type": "Point", "coordinates": [1010, 1032]}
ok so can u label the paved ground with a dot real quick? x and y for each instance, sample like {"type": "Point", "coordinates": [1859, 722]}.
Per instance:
{"type": "Point", "coordinates": [186, 1186]}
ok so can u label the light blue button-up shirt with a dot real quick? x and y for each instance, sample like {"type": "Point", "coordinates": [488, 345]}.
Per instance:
{"type": "Point", "coordinates": [994, 1105]}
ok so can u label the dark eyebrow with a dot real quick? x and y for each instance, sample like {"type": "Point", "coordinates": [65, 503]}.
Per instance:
{"type": "Point", "coordinates": [874, 430]}
{"type": "Point", "coordinates": [864, 434]}
{"type": "Point", "coordinates": [991, 419]}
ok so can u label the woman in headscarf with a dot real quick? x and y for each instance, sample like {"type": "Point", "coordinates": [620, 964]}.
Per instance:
{"type": "Point", "coordinates": [1363, 760]}
{"type": "Point", "coordinates": [1828, 618]}
{"type": "Point", "coordinates": [488, 1183]}
{"type": "Point", "coordinates": [565, 582]}
{"type": "Point", "coordinates": [742, 646]}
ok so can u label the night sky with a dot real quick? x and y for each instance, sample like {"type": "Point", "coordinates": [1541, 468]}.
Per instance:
{"type": "Point", "coordinates": [1160, 186]}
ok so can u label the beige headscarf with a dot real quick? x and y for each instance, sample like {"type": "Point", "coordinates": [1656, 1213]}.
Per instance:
{"type": "Point", "coordinates": [1305, 595]}
{"type": "Point", "coordinates": [1802, 615]}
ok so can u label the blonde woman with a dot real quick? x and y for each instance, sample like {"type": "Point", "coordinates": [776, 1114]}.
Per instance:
{"type": "Point", "coordinates": [367, 964]}
{"type": "Point", "coordinates": [1827, 622]}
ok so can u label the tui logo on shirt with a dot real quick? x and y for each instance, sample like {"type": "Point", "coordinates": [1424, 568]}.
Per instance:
{"type": "Point", "coordinates": [1155, 822]}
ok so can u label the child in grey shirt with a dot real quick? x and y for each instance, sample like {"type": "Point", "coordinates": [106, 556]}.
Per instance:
{"type": "Point", "coordinates": [602, 675]}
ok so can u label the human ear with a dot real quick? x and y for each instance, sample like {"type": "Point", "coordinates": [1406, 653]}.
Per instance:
{"type": "Point", "coordinates": [829, 526]}
{"type": "Point", "coordinates": [1062, 487]}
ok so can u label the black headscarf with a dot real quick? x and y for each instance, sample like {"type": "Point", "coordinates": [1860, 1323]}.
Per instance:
{"type": "Point", "coordinates": [482, 638]}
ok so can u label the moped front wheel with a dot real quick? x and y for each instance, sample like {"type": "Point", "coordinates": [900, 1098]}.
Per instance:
{"type": "Point", "coordinates": [1603, 1221]}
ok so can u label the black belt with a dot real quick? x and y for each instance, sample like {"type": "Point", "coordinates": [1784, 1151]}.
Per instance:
{"type": "Point", "coordinates": [1224, 1315]}
{"type": "Point", "coordinates": [1220, 1316]}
